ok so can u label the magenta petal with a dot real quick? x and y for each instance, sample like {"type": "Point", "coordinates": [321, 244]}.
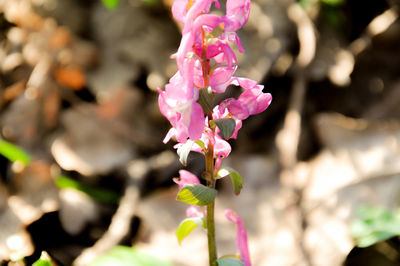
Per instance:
{"type": "Point", "coordinates": [213, 50]}
{"type": "Point", "coordinates": [186, 177]}
{"type": "Point", "coordinates": [241, 236]}
{"type": "Point", "coordinates": [239, 44]}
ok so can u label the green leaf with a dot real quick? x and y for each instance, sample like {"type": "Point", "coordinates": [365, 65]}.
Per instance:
{"type": "Point", "coordinates": [374, 225]}
{"type": "Point", "coordinates": [226, 127]}
{"type": "Point", "coordinates": [184, 150]}
{"type": "Point", "coordinates": [151, 2]}
{"type": "Point", "coordinates": [101, 195]}
{"type": "Point", "coordinates": [14, 153]}
{"type": "Point", "coordinates": [197, 194]}
{"type": "Point", "coordinates": [333, 2]}
{"type": "Point", "coordinates": [110, 4]}
{"type": "Point", "coordinates": [236, 178]}
{"type": "Point", "coordinates": [187, 226]}
{"type": "Point", "coordinates": [127, 256]}
{"type": "Point", "coordinates": [44, 260]}
{"type": "Point", "coordinates": [229, 262]}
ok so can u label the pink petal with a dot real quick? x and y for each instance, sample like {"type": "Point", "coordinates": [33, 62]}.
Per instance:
{"type": "Point", "coordinates": [196, 125]}
{"type": "Point", "coordinates": [255, 100]}
{"type": "Point", "coordinates": [236, 108]}
{"type": "Point", "coordinates": [208, 20]}
{"type": "Point", "coordinates": [221, 150]}
{"type": "Point", "coordinates": [184, 47]}
{"type": "Point", "coordinates": [221, 78]}
{"type": "Point", "coordinates": [199, 6]}
{"type": "Point", "coordinates": [170, 134]}
{"type": "Point", "coordinates": [238, 126]}
{"type": "Point", "coordinates": [237, 12]}
{"type": "Point", "coordinates": [181, 134]}
{"type": "Point", "coordinates": [245, 83]}
{"type": "Point", "coordinates": [186, 177]}
{"type": "Point", "coordinates": [194, 211]}
{"type": "Point", "coordinates": [241, 236]}
{"type": "Point", "coordinates": [239, 44]}
{"type": "Point", "coordinates": [179, 9]}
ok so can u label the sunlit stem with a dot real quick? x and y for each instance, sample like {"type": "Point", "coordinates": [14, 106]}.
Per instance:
{"type": "Point", "coordinates": [212, 248]}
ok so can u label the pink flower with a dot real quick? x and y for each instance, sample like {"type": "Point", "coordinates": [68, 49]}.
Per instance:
{"type": "Point", "coordinates": [178, 104]}
{"type": "Point", "coordinates": [252, 101]}
{"type": "Point", "coordinates": [237, 14]}
{"type": "Point", "coordinates": [241, 236]}
{"type": "Point", "coordinates": [220, 76]}
{"type": "Point", "coordinates": [189, 9]}
{"type": "Point", "coordinates": [186, 177]}
{"type": "Point", "coordinates": [255, 100]}
{"type": "Point", "coordinates": [221, 147]}
{"type": "Point", "coordinates": [221, 150]}
{"type": "Point", "coordinates": [210, 34]}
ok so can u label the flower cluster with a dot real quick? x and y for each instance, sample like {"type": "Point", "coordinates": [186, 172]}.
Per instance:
{"type": "Point", "coordinates": [206, 65]}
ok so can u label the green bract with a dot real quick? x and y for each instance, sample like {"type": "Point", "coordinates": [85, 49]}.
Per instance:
{"type": "Point", "coordinates": [229, 262]}
{"type": "Point", "coordinates": [226, 127]}
{"type": "Point", "coordinates": [187, 226]}
{"type": "Point", "coordinates": [44, 260]}
{"type": "Point", "coordinates": [197, 194]}
{"type": "Point", "coordinates": [236, 178]}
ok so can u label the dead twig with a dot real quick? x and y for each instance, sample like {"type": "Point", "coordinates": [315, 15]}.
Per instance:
{"type": "Point", "coordinates": [377, 26]}
{"type": "Point", "coordinates": [288, 137]}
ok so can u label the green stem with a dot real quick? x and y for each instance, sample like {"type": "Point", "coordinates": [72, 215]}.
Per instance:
{"type": "Point", "coordinates": [209, 156]}
{"type": "Point", "coordinates": [212, 247]}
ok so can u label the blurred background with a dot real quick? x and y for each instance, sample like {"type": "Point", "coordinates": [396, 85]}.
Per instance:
{"type": "Point", "coordinates": [82, 163]}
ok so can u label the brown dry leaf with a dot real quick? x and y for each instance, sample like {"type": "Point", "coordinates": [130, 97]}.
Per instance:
{"type": "Point", "coordinates": [51, 106]}
{"type": "Point", "coordinates": [13, 91]}
{"type": "Point", "coordinates": [71, 76]}
{"type": "Point", "coordinates": [30, 131]}
{"type": "Point", "coordinates": [60, 38]}
{"type": "Point", "coordinates": [112, 107]}
{"type": "Point", "coordinates": [41, 170]}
